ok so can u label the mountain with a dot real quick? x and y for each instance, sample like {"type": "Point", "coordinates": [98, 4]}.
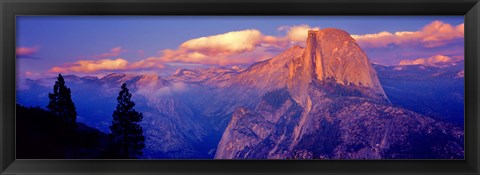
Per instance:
{"type": "Point", "coordinates": [203, 76]}
{"type": "Point", "coordinates": [334, 108]}
{"type": "Point", "coordinates": [269, 74]}
{"type": "Point", "coordinates": [437, 92]}
{"type": "Point", "coordinates": [331, 54]}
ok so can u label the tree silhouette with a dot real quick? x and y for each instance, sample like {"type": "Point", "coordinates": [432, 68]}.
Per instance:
{"type": "Point", "coordinates": [126, 130]}
{"type": "Point", "coordinates": [61, 103]}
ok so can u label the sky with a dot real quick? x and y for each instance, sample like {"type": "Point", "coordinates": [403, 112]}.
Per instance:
{"type": "Point", "coordinates": [97, 45]}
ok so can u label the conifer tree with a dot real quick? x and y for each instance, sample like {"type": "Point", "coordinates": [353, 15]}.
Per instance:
{"type": "Point", "coordinates": [126, 130]}
{"type": "Point", "coordinates": [61, 103]}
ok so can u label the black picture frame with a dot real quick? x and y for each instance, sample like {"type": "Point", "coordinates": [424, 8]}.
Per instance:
{"type": "Point", "coordinates": [11, 8]}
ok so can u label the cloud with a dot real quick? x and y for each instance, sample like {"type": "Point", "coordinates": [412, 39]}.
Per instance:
{"type": "Point", "coordinates": [431, 61]}
{"type": "Point", "coordinates": [89, 66]}
{"type": "Point", "coordinates": [236, 47]}
{"type": "Point", "coordinates": [435, 34]}
{"type": "Point", "coordinates": [92, 66]}
{"type": "Point", "coordinates": [297, 33]}
{"type": "Point", "coordinates": [227, 43]}
{"type": "Point", "coordinates": [26, 52]}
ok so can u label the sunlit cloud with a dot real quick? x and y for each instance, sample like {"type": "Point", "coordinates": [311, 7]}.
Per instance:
{"type": "Point", "coordinates": [435, 34]}
{"type": "Point", "coordinates": [88, 66]}
{"type": "Point", "coordinates": [431, 61]}
{"type": "Point", "coordinates": [297, 33]}
{"type": "Point", "coordinates": [227, 43]}
{"type": "Point", "coordinates": [26, 52]}
{"type": "Point", "coordinates": [228, 48]}
{"type": "Point", "coordinates": [92, 66]}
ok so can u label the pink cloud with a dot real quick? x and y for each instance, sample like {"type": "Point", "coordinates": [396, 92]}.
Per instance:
{"type": "Point", "coordinates": [435, 34]}
{"type": "Point", "coordinates": [227, 43]}
{"type": "Point", "coordinates": [26, 51]}
{"type": "Point", "coordinates": [431, 61]}
{"type": "Point", "coordinates": [92, 66]}
{"type": "Point", "coordinates": [297, 33]}
{"type": "Point", "coordinates": [89, 66]}
{"type": "Point", "coordinates": [222, 49]}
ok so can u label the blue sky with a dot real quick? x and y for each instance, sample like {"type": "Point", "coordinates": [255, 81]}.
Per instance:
{"type": "Point", "coordinates": [64, 40]}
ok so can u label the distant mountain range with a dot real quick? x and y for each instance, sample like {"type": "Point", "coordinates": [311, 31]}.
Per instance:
{"type": "Point", "coordinates": [323, 101]}
{"type": "Point", "coordinates": [437, 92]}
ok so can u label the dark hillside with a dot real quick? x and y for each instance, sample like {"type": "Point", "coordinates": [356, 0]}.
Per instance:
{"type": "Point", "coordinates": [41, 135]}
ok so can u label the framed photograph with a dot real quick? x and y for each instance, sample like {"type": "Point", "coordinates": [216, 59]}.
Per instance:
{"type": "Point", "coordinates": [304, 87]}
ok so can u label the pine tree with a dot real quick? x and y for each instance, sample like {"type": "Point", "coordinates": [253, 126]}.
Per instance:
{"type": "Point", "coordinates": [61, 103]}
{"type": "Point", "coordinates": [126, 130]}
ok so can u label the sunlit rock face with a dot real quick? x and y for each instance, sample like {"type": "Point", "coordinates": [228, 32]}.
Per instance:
{"type": "Point", "coordinates": [336, 55]}
{"type": "Point", "coordinates": [332, 54]}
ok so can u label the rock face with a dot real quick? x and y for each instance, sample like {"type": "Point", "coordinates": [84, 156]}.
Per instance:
{"type": "Point", "coordinates": [249, 131]}
{"type": "Point", "coordinates": [336, 55]}
{"type": "Point", "coordinates": [333, 107]}
{"type": "Point", "coordinates": [332, 54]}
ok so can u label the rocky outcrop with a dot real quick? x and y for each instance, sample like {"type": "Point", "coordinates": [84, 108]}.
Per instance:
{"type": "Point", "coordinates": [250, 133]}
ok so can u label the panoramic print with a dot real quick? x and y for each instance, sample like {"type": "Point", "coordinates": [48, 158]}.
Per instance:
{"type": "Point", "coordinates": [240, 87]}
